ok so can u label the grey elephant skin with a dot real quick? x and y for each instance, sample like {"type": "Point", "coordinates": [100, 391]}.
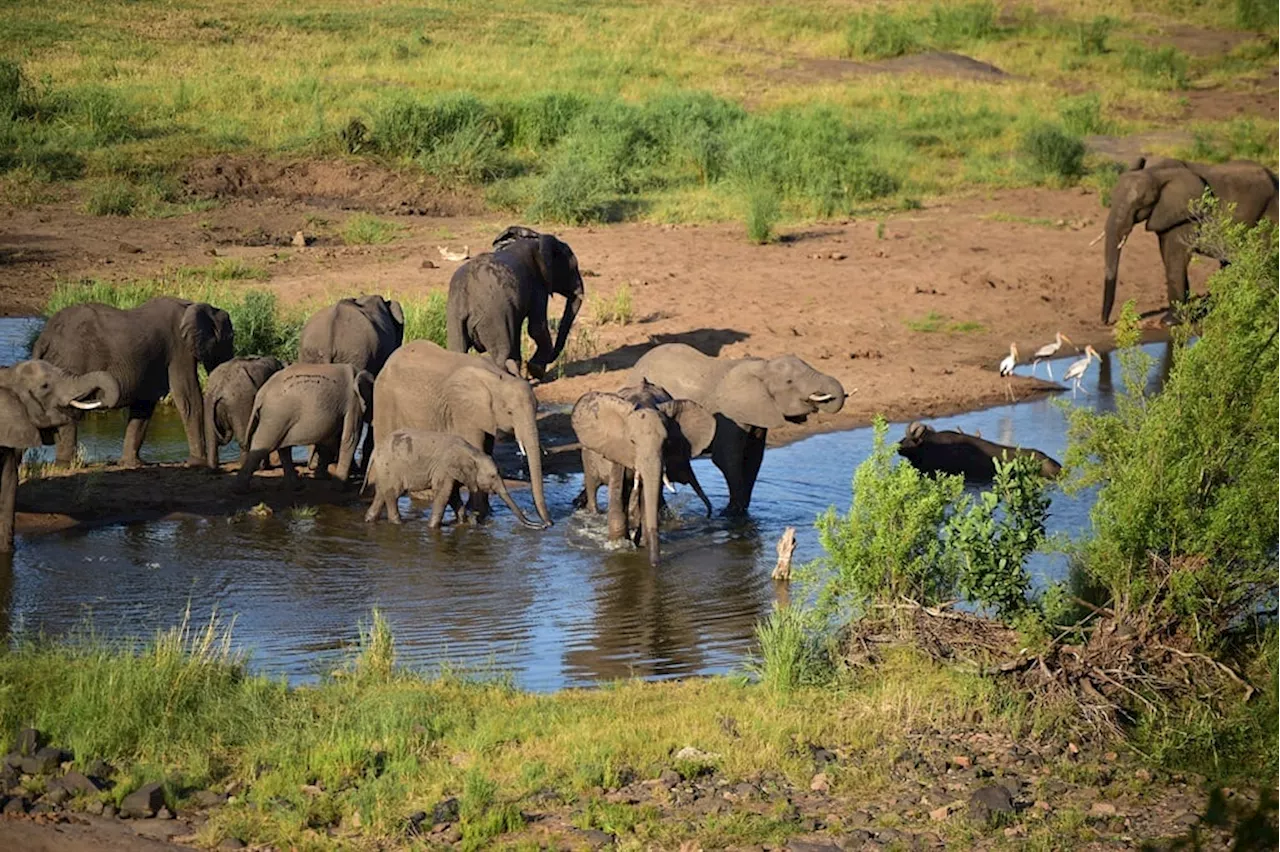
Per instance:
{"type": "Point", "coordinates": [229, 393]}
{"type": "Point", "coordinates": [748, 396]}
{"type": "Point", "coordinates": [324, 405]}
{"type": "Point", "coordinates": [632, 440]}
{"type": "Point", "coordinates": [37, 397]}
{"type": "Point", "coordinates": [955, 453]}
{"type": "Point", "coordinates": [429, 388]}
{"type": "Point", "coordinates": [152, 351]}
{"type": "Point", "coordinates": [1160, 192]}
{"type": "Point", "coordinates": [493, 294]}
{"type": "Point", "coordinates": [414, 460]}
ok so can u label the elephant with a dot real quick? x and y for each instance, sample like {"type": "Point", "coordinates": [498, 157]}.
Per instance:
{"type": "Point", "coordinates": [426, 387]}
{"type": "Point", "coordinates": [748, 396]}
{"type": "Point", "coordinates": [414, 460]}
{"type": "Point", "coordinates": [932, 451]}
{"type": "Point", "coordinates": [643, 435]}
{"type": "Point", "coordinates": [1160, 192]}
{"type": "Point", "coordinates": [37, 397]}
{"type": "Point", "coordinates": [319, 404]}
{"type": "Point", "coordinates": [492, 294]}
{"type": "Point", "coordinates": [152, 351]}
{"type": "Point", "coordinates": [228, 402]}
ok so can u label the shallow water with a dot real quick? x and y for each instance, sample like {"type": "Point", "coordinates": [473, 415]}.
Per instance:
{"type": "Point", "coordinates": [555, 608]}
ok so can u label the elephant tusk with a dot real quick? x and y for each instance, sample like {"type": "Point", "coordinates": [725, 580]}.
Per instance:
{"type": "Point", "coordinates": [1123, 240]}
{"type": "Point", "coordinates": [820, 397]}
{"type": "Point", "coordinates": [520, 444]}
{"type": "Point", "coordinates": [667, 482]}
{"type": "Point", "coordinates": [86, 406]}
{"type": "Point", "coordinates": [1097, 239]}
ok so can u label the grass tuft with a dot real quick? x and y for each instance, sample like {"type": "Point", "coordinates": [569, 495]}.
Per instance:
{"type": "Point", "coordinates": [1054, 154]}
{"type": "Point", "coordinates": [363, 229]}
{"type": "Point", "coordinates": [616, 309]}
{"type": "Point", "coordinates": [763, 210]}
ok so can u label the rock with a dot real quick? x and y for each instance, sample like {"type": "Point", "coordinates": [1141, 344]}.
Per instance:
{"type": "Point", "coordinates": [42, 808]}
{"type": "Point", "coordinates": [29, 742]}
{"type": "Point", "coordinates": [989, 801]}
{"type": "Point", "coordinates": [668, 778]}
{"type": "Point", "coordinates": [446, 810]}
{"type": "Point", "coordinates": [1042, 805]}
{"type": "Point", "coordinates": [940, 814]}
{"type": "Point", "coordinates": [157, 829]}
{"type": "Point", "coordinates": [129, 248]}
{"type": "Point", "coordinates": [231, 843]}
{"type": "Point", "coordinates": [13, 760]}
{"type": "Point", "coordinates": [696, 755]}
{"type": "Point", "coordinates": [75, 782]}
{"type": "Point", "coordinates": [143, 802]}
{"type": "Point", "coordinates": [93, 807]}
{"type": "Point", "coordinates": [960, 760]}
{"type": "Point", "coordinates": [56, 796]}
{"type": "Point", "coordinates": [164, 813]}
{"type": "Point", "coordinates": [820, 783]}
{"type": "Point", "coordinates": [208, 798]}
{"type": "Point", "coordinates": [811, 846]}
{"type": "Point", "coordinates": [44, 761]}
{"type": "Point", "coordinates": [16, 805]}
{"type": "Point", "coordinates": [1188, 819]}
{"type": "Point", "coordinates": [429, 264]}
{"type": "Point", "coordinates": [1102, 809]}
{"type": "Point", "coordinates": [596, 838]}
{"type": "Point", "coordinates": [451, 835]}
{"type": "Point", "coordinates": [1142, 775]}
{"type": "Point", "coordinates": [109, 811]}
{"type": "Point", "coordinates": [99, 769]}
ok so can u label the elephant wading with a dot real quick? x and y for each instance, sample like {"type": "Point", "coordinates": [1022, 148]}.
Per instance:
{"type": "Point", "coordinates": [492, 294]}
{"type": "Point", "coordinates": [151, 351]}
{"type": "Point", "coordinates": [748, 396]}
{"type": "Point", "coordinates": [952, 453]}
{"type": "Point", "coordinates": [228, 403]}
{"type": "Point", "coordinates": [308, 404]}
{"type": "Point", "coordinates": [634, 441]}
{"type": "Point", "coordinates": [413, 460]}
{"type": "Point", "coordinates": [1160, 192]}
{"type": "Point", "coordinates": [37, 397]}
{"type": "Point", "coordinates": [425, 387]}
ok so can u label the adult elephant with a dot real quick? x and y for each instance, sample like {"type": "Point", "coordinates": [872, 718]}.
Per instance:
{"type": "Point", "coordinates": [748, 396]}
{"type": "Point", "coordinates": [1160, 192]}
{"type": "Point", "coordinates": [37, 397]}
{"type": "Point", "coordinates": [492, 294]}
{"type": "Point", "coordinates": [955, 453]}
{"type": "Point", "coordinates": [152, 351]}
{"type": "Point", "coordinates": [423, 386]}
{"type": "Point", "coordinates": [639, 434]}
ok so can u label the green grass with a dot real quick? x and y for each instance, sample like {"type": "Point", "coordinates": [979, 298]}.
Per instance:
{"type": "Point", "coordinates": [616, 309]}
{"type": "Point", "coordinates": [934, 322]}
{"type": "Point", "coordinates": [365, 230]}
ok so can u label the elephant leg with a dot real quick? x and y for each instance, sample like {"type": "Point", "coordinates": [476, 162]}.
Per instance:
{"type": "Point", "coordinates": [251, 459]}
{"type": "Point", "coordinates": [375, 508]}
{"type": "Point", "coordinates": [291, 479]}
{"type": "Point", "coordinates": [439, 500]}
{"type": "Point", "coordinates": [136, 432]}
{"type": "Point", "coordinates": [618, 494]}
{"type": "Point", "coordinates": [455, 503]}
{"type": "Point", "coordinates": [728, 453]}
{"type": "Point", "coordinates": [753, 456]}
{"type": "Point", "coordinates": [184, 388]}
{"type": "Point", "coordinates": [322, 456]}
{"type": "Point", "coordinates": [8, 496]}
{"type": "Point", "coordinates": [478, 501]}
{"type": "Point", "coordinates": [1175, 250]}
{"type": "Point", "coordinates": [65, 443]}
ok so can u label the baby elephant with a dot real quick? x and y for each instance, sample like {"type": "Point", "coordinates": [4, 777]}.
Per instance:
{"type": "Point", "coordinates": [931, 451]}
{"type": "Point", "coordinates": [228, 402]}
{"type": "Point", "coordinates": [321, 404]}
{"type": "Point", "coordinates": [417, 460]}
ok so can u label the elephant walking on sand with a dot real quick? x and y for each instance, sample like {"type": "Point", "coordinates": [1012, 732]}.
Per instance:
{"type": "Point", "coordinates": [748, 396]}
{"type": "Point", "coordinates": [429, 388]}
{"type": "Point", "coordinates": [324, 405]}
{"type": "Point", "coordinates": [634, 441]}
{"type": "Point", "coordinates": [413, 460]}
{"type": "Point", "coordinates": [492, 294]}
{"type": "Point", "coordinates": [1160, 192]}
{"type": "Point", "coordinates": [152, 351]}
{"type": "Point", "coordinates": [228, 402]}
{"type": "Point", "coordinates": [37, 397]}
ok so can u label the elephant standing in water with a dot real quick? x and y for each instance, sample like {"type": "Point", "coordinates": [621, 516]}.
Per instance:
{"type": "Point", "coordinates": [748, 396]}
{"type": "Point", "coordinates": [413, 460]}
{"type": "Point", "coordinates": [492, 294]}
{"type": "Point", "coordinates": [634, 441]}
{"type": "Point", "coordinates": [228, 402]}
{"type": "Point", "coordinates": [931, 451]}
{"type": "Point", "coordinates": [151, 351]}
{"type": "Point", "coordinates": [1160, 192]}
{"type": "Point", "coordinates": [425, 387]}
{"type": "Point", "coordinates": [37, 397]}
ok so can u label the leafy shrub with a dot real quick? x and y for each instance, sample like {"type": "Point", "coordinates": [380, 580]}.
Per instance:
{"type": "Point", "coordinates": [411, 128]}
{"type": "Point", "coordinates": [1054, 153]}
{"type": "Point", "coordinates": [540, 121]}
{"type": "Point", "coordinates": [1162, 67]}
{"type": "Point", "coordinates": [571, 193]}
{"type": "Point", "coordinates": [762, 213]}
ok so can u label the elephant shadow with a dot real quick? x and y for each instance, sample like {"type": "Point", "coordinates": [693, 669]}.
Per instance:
{"type": "Point", "coordinates": [708, 341]}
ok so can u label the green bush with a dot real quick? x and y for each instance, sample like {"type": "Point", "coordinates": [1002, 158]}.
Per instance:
{"type": "Point", "coordinates": [426, 319]}
{"type": "Point", "coordinates": [571, 193]}
{"type": "Point", "coordinates": [1161, 68]}
{"type": "Point", "coordinates": [1090, 38]}
{"type": "Point", "coordinates": [1258, 15]}
{"type": "Point", "coordinates": [762, 213]}
{"type": "Point", "coordinates": [1082, 115]}
{"type": "Point", "coordinates": [11, 85]}
{"type": "Point", "coordinates": [794, 651]}
{"type": "Point", "coordinates": [1054, 153]}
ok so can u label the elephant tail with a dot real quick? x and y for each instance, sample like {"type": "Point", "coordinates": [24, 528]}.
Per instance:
{"type": "Point", "coordinates": [370, 469]}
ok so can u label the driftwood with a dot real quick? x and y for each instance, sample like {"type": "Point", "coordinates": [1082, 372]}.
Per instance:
{"type": "Point", "coordinates": [786, 547]}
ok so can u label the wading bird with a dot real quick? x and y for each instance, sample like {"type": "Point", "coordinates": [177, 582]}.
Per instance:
{"type": "Point", "coordinates": [1048, 351]}
{"type": "Point", "coordinates": [1007, 365]}
{"type": "Point", "coordinates": [1078, 368]}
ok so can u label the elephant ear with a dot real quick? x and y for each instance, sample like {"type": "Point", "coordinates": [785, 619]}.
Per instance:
{"type": "Point", "coordinates": [694, 423]}
{"type": "Point", "coordinates": [513, 233]}
{"type": "Point", "coordinates": [16, 429]}
{"type": "Point", "coordinates": [1174, 205]}
{"type": "Point", "coordinates": [743, 397]}
{"type": "Point", "coordinates": [468, 397]}
{"type": "Point", "coordinates": [397, 312]}
{"type": "Point", "coordinates": [207, 332]}
{"type": "Point", "coordinates": [600, 422]}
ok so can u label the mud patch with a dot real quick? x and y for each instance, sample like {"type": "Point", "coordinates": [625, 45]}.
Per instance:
{"type": "Point", "coordinates": [1195, 41]}
{"type": "Point", "coordinates": [324, 183]}
{"type": "Point", "coordinates": [1217, 105]}
{"type": "Point", "coordinates": [933, 63]}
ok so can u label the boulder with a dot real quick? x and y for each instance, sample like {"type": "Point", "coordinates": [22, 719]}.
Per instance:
{"type": "Point", "coordinates": [76, 783]}
{"type": "Point", "coordinates": [208, 798]}
{"type": "Point", "coordinates": [29, 742]}
{"type": "Point", "coordinates": [16, 805]}
{"type": "Point", "coordinates": [446, 810]}
{"type": "Point", "coordinates": [990, 802]}
{"type": "Point", "coordinates": [99, 769]}
{"type": "Point", "coordinates": [143, 802]}
{"type": "Point", "coordinates": [56, 796]}
{"type": "Point", "coordinates": [45, 761]}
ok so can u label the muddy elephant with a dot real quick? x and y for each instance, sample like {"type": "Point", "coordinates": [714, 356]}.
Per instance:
{"type": "Point", "coordinates": [414, 460]}
{"type": "Point", "coordinates": [153, 351]}
{"type": "Point", "coordinates": [324, 405]}
{"type": "Point", "coordinates": [492, 294]}
{"type": "Point", "coordinates": [425, 387]}
{"type": "Point", "coordinates": [635, 441]}
{"type": "Point", "coordinates": [955, 453]}
{"type": "Point", "coordinates": [1160, 192]}
{"type": "Point", "coordinates": [748, 396]}
{"type": "Point", "coordinates": [37, 397]}
{"type": "Point", "coordinates": [228, 402]}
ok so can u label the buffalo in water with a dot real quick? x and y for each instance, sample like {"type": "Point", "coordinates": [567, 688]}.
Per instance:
{"type": "Point", "coordinates": [931, 451]}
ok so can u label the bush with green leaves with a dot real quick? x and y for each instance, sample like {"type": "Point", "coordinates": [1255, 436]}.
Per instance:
{"type": "Point", "coordinates": [1185, 523]}
{"type": "Point", "coordinates": [1054, 153]}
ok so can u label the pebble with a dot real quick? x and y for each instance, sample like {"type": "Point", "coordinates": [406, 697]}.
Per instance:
{"type": "Point", "coordinates": [820, 783]}
{"type": "Point", "coordinates": [1102, 809]}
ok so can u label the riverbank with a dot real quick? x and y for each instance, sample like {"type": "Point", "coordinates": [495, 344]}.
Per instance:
{"type": "Point", "coordinates": [907, 755]}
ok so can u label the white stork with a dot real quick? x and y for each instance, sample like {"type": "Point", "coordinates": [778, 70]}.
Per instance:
{"type": "Point", "coordinates": [1077, 369]}
{"type": "Point", "coordinates": [1048, 351]}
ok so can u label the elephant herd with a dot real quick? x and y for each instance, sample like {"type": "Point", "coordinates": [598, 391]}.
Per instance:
{"type": "Point", "coordinates": [429, 415]}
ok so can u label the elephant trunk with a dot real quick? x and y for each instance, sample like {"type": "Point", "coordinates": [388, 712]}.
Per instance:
{"type": "Point", "coordinates": [829, 396]}
{"type": "Point", "coordinates": [1119, 223]}
{"type": "Point", "coordinates": [505, 495]}
{"type": "Point", "coordinates": [648, 478]}
{"type": "Point", "coordinates": [571, 307]}
{"type": "Point", "coordinates": [526, 429]}
{"type": "Point", "coordinates": [97, 390]}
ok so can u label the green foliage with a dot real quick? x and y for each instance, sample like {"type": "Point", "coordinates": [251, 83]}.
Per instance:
{"type": "Point", "coordinates": [1158, 67]}
{"type": "Point", "coordinates": [1054, 153]}
{"type": "Point", "coordinates": [885, 35]}
{"type": "Point", "coordinates": [1186, 518]}
{"type": "Point", "coordinates": [260, 327]}
{"type": "Point", "coordinates": [363, 229]}
{"type": "Point", "coordinates": [1082, 115]}
{"type": "Point", "coordinates": [1090, 38]}
{"type": "Point", "coordinates": [1258, 15]}
{"type": "Point", "coordinates": [111, 197]}
{"type": "Point", "coordinates": [762, 213]}
{"type": "Point", "coordinates": [955, 24]}
{"type": "Point", "coordinates": [794, 652]}
{"type": "Point", "coordinates": [880, 35]}
{"type": "Point", "coordinates": [993, 535]}
{"type": "Point", "coordinates": [426, 319]}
